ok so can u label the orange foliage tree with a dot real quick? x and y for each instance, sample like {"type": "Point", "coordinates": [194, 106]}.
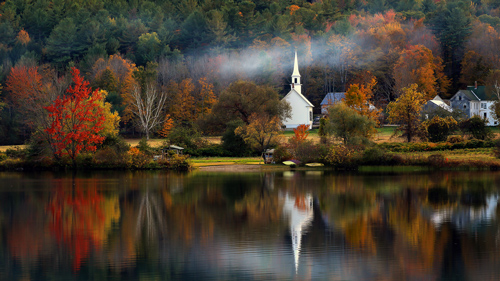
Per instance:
{"type": "Point", "coordinates": [300, 133]}
{"type": "Point", "coordinates": [207, 97]}
{"type": "Point", "coordinates": [183, 103]}
{"type": "Point", "coordinates": [77, 120]}
{"type": "Point", "coordinates": [27, 95]}
{"type": "Point", "coordinates": [418, 65]}
{"type": "Point", "coordinates": [358, 98]}
{"type": "Point", "coordinates": [168, 125]}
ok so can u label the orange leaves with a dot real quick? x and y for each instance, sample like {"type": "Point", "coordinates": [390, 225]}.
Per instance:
{"type": "Point", "coordinates": [24, 84]}
{"type": "Point", "coordinates": [207, 97]}
{"type": "Point", "coordinates": [301, 133]}
{"type": "Point", "coordinates": [358, 98]}
{"type": "Point", "coordinates": [293, 9]}
{"type": "Point", "coordinates": [418, 65]}
{"type": "Point", "coordinates": [76, 120]}
{"type": "Point", "coordinates": [23, 37]}
{"type": "Point", "coordinates": [167, 127]}
{"type": "Point", "coordinates": [183, 102]}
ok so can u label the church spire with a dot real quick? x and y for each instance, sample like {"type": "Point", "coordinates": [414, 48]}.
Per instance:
{"type": "Point", "coordinates": [296, 76]}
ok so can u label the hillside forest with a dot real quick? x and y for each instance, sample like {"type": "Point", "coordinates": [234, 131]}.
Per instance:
{"type": "Point", "coordinates": [178, 60]}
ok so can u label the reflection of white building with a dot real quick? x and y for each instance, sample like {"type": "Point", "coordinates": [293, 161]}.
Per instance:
{"type": "Point", "coordinates": [463, 216]}
{"type": "Point", "coordinates": [299, 210]}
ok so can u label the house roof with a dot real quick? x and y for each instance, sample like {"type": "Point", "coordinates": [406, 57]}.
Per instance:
{"type": "Point", "coordinates": [300, 95]}
{"type": "Point", "coordinates": [332, 98]}
{"type": "Point", "coordinates": [479, 92]}
{"type": "Point", "coordinates": [474, 93]}
{"type": "Point", "coordinates": [439, 102]}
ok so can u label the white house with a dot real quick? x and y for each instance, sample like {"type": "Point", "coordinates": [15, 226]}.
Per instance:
{"type": "Point", "coordinates": [474, 102]}
{"type": "Point", "coordinates": [302, 109]}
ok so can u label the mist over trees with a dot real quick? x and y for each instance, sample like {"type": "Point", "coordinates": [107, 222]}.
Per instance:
{"type": "Point", "coordinates": [192, 50]}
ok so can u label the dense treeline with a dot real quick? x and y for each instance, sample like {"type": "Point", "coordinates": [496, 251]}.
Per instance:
{"type": "Point", "coordinates": [188, 52]}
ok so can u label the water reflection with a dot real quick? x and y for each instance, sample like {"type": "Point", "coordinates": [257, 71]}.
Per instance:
{"type": "Point", "coordinates": [289, 225]}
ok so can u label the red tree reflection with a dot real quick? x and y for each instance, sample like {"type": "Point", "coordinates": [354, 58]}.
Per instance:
{"type": "Point", "coordinates": [77, 218]}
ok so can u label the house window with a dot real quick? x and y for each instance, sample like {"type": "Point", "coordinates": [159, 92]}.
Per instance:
{"type": "Point", "coordinates": [483, 105]}
{"type": "Point", "coordinates": [310, 115]}
{"type": "Point", "coordinates": [459, 97]}
{"type": "Point", "coordinates": [465, 106]}
{"type": "Point", "coordinates": [485, 115]}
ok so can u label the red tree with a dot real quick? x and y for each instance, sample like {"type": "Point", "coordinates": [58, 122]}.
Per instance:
{"type": "Point", "coordinates": [77, 120]}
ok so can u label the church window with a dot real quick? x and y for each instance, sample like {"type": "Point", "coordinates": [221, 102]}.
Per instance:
{"type": "Point", "coordinates": [295, 81]}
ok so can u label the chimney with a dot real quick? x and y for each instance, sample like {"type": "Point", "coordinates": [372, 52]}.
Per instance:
{"type": "Point", "coordinates": [475, 85]}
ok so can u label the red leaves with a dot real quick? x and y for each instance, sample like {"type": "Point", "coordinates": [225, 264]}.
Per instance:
{"type": "Point", "coordinates": [77, 119]}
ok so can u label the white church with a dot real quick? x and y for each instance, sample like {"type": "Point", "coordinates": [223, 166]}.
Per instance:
{"type": "Point", "coordinates": [302, 109]}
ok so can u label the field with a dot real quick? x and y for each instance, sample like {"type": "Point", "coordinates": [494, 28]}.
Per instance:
{"type": "Point", "coordinates": [384, 134]}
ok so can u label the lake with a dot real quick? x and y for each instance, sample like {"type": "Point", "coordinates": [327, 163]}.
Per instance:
{"type": "Point", "coordinates": [287, 225]}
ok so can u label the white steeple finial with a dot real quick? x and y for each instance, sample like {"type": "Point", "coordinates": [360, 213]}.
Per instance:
{"type": "Point", "coordinates": [296, 76]}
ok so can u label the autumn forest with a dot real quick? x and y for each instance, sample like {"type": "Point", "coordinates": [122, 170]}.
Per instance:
{"type": "Point", "coordinates": [184, 54]}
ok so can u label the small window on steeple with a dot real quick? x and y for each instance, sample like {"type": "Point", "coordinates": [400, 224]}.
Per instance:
{"type": "Point", "coordinates": [295, 81]}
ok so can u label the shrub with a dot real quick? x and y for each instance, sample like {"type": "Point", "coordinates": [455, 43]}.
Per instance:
{"type": "Point", "coordinates": [117, 143]}
{"type": "Point", "coordinates": [3, 156]}
{"type": "Point", "coordinates": [211, 150]}
{"type": "Point", "coordinates": [137, 159]}
{"type": "Point", "coordinates": [340, 156]}
{"type": "Point", "coordinates": [187, 137]}
{"type": "Point", "coordinates": [475, 127]}
{"type": "Point", "coordinates": [375, 155]}
{"type": "Point", "coordinates": [282, 153]}
{"type": "Point", "coordinates": [16, 152]}
{"type": "Point", "coordinates": [307, 152]}
{"type": "Point", "coordinates": [179, 162]}
{"type": "Point", "coordinates": [439, 128]}
{"type": "Point", "coordinates": [106, 156]}
{"type": "Point", "coordinates": [84, 160]}
{"type": "Point", "coordinates": [455, 139]}
{"type": "Point", "coordinates": [144, 147]}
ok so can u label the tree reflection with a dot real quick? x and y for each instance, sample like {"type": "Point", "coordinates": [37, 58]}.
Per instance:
{"type": "Point", "coordinates": [80, 217]}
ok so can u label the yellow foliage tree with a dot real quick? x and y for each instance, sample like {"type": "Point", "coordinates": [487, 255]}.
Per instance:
{"type": "Point", "coordinates": [111, 119]}
{"type": "Point", "coordinates": [262, 132]}
{"type": "Point", "coordinates": [405, 111]}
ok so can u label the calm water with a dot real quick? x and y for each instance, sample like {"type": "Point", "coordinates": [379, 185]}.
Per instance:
{"type": "Point", "coordinates": [249, 226]}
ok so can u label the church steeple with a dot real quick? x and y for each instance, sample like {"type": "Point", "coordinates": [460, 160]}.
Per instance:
{"type": "Point", "coordinates": [296, 76]}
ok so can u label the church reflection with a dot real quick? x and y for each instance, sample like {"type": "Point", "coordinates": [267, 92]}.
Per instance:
{"type": "Point", "coordinates": [299, 210]}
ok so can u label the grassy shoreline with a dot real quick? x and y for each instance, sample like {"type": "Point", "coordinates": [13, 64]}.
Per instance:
{"type": "Point", "coordinates": [466, 155]}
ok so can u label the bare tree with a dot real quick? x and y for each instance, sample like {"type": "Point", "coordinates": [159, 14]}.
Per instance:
{"type": "Point", "coordinates": [147, 105]}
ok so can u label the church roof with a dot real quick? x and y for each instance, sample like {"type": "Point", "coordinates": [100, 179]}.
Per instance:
{"type": "Point", "coordinates": [301, 96]}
